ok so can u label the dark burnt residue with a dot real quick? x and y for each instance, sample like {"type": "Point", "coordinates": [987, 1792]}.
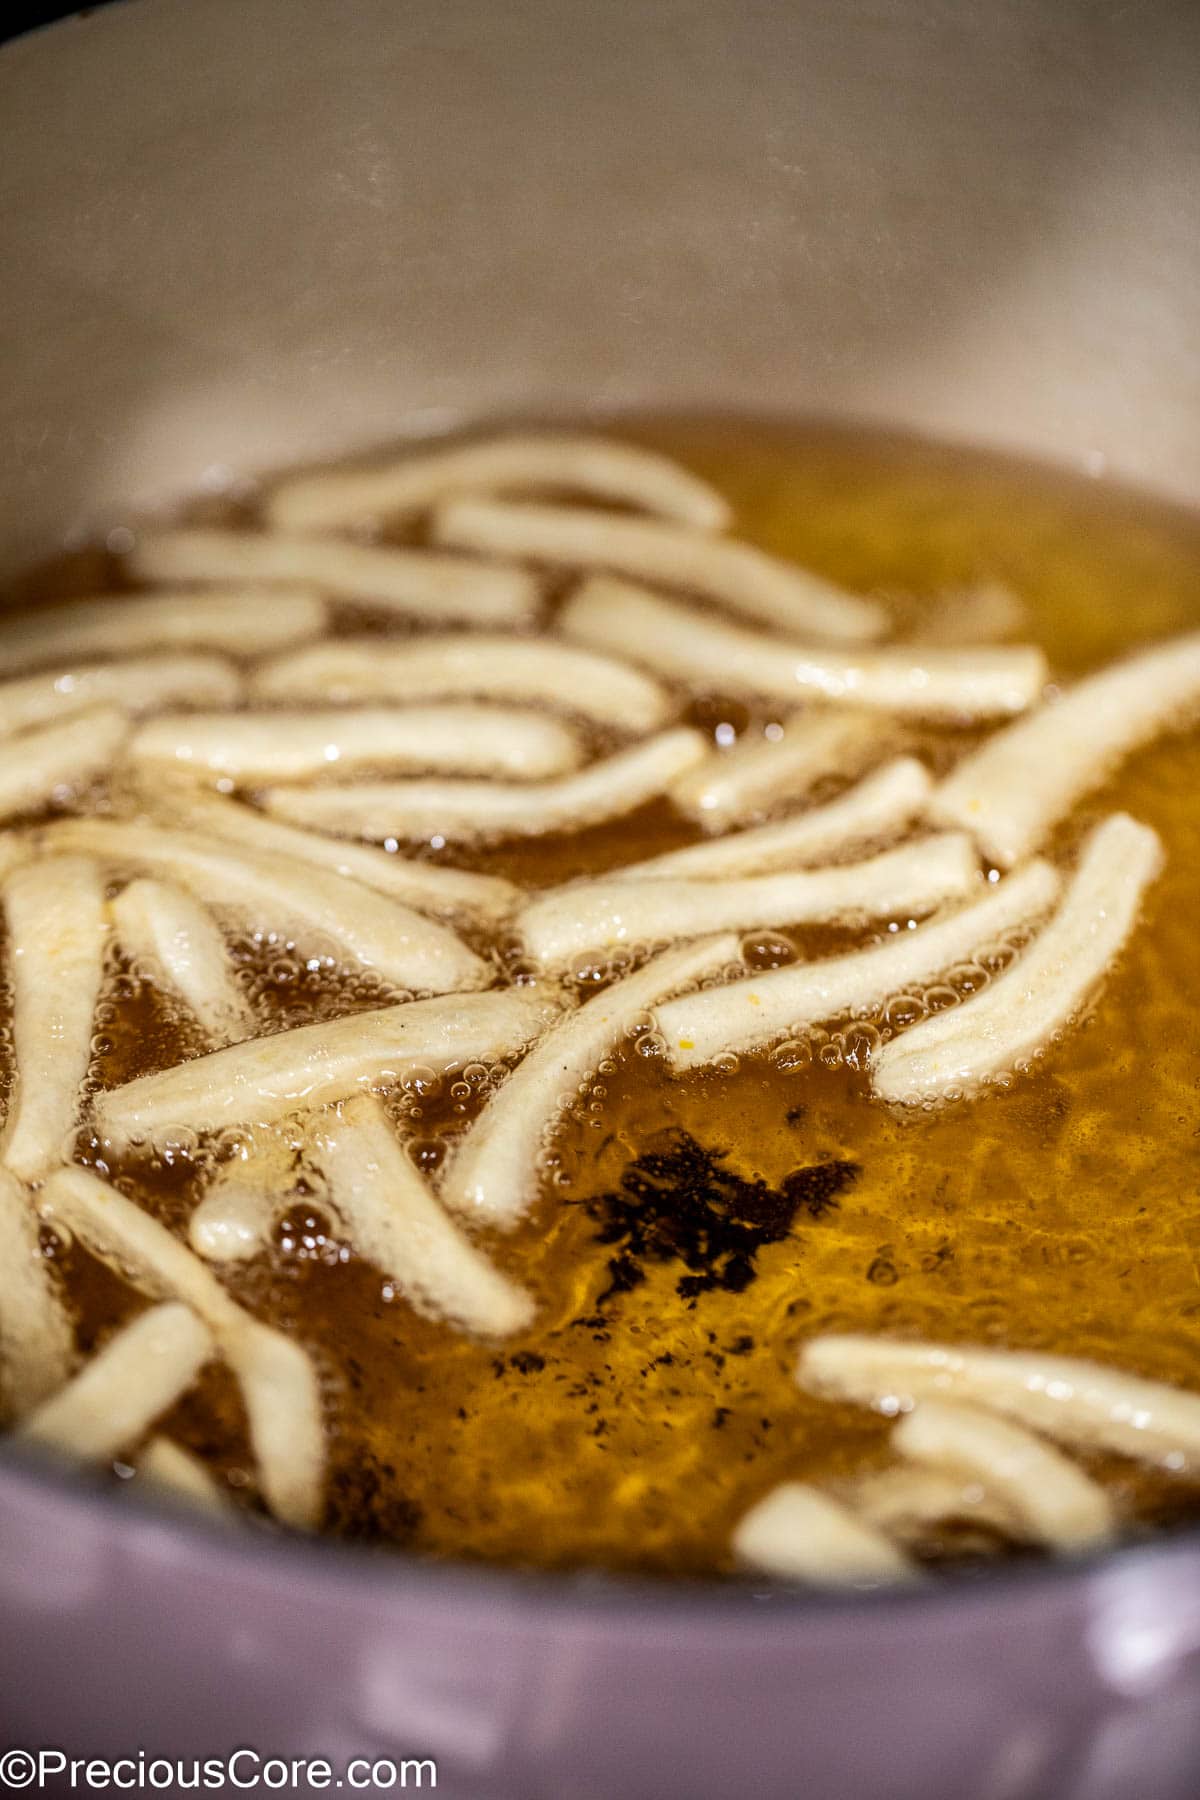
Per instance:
{"type": "Point", "coordinates": [366, 1505]}
{"type": "Point", "coordinates": [679, 1203]}
{"type": "Point", "coordinates": [815, 1190]}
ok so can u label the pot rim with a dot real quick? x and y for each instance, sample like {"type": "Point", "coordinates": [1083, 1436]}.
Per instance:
{"type": "Point", "coordinates": [381, 1577]}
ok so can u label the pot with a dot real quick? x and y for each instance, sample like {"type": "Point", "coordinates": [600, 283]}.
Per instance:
{"type": "Point", "coordinates": [250, 232]}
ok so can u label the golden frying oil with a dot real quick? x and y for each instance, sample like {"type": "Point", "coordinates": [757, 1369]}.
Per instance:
{"type": "Point", "coordinates": [639, 1417]}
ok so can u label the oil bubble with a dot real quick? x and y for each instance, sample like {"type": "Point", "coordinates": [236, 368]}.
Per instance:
{"type": "Point", "coordinates": [767, 950]}
{"type": "Point", "coordinates": [902, 1011]}
{"type": "Point", "coordinates": [428, 1153]}
{"type": "Point", "coordinates": [860, 1043]}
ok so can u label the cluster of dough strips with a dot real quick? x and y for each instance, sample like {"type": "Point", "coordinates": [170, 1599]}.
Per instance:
{"type": "Point", "coordinates": [261, 766]}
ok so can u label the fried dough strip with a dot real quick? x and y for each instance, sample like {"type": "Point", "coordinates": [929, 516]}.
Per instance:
{"type": "Point", "coordinates": [177, 940]}
{"type": "Point", "coordinates": [37, 1341]}
{"type": "Point", "coordinates": [466, 810]}
{"type": "Point", "coordinates": [622, 474]}
{"type": "Point", "coordinates": [730, 786]}
{"type": "Point", "coordinates": [1078, 1403]}
{"type": "Point", "coordinates": [427, 886]}
{"type": "Point", "coordinates": [139, 684]}
{"type": "Point", "coordinates": [881, 804]}
{"type": "Point", "coordinates": [234, 1221]}
{"type": "Point", "coordinates": [598, 914]}
{"type": "Point", "coordinates": [677, 641]}
{"type": "Point", "coordinates": [57, 931]}
{"type": "Point", "coordinates": [392, 1219]}
{"type": "Point", "coordinates": [984, 614]}
{"type": "Point", "coordinates": [747, 1014]}
{"type": "Point", "coordinates": [293, 746]}
{"type": "Point", "coordinates": [52, 761]}
{"type": "Point", "coordinates": [15, 852]}
{"type": "Point", "coordinates": [270, 893]}
{"type": "Point", "coordinates": [469, 665]}
{"type": "Point", "coordinates": [264, 1080]}
{"type": "Point", "coordinates": [418, 584]}
{"type": "Point", "coordinates": [736, 575]}
{"type": "Point", "coordinates": [276, 1376]}
{"type": "Point", "coordinates": [1056, 1503]}
{"type": "Point", "coordinates": [249, 1193]}
{"type": "Point", "coordinates": [492, 1175]}
{"type": "Point", "coordinates": [1022, 781]}
{"type": "Point", "coordinates": [171, 1469]}
{"type": "Point", "coordinates": [797, 1533]}
{"type": "Point", "coordinates": [909, 1502]}
{"type": "Point", "coordinates": [1019, 1013]}
{"type": "Point", "coordinates": [129, 624]}
{"type": "Point", "coordinates": [115, 1398]}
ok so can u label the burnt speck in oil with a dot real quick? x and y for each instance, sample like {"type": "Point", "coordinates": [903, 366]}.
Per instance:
{"type": "Point", "coordinates": [624, 1273]}
{"type": "Point", "coordinates": [364, 1504]}
{"type": "Point", "coordinates": [816, 1189]}
{"type": "Point", "coordinates": [678, 1203]}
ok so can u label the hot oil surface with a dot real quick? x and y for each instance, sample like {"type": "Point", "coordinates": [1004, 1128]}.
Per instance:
{"type": "Point", "coordinates": [653, 1401]}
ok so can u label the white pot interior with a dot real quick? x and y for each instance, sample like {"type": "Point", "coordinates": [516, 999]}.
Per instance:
{"type": "Point", "coordinates": [241, 232]}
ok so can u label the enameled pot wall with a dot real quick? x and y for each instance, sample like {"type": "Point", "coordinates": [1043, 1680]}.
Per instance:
{"type": "Point", "coordinates": [240, 232]}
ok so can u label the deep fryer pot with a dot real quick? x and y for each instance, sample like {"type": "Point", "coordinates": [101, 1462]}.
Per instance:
{"type": "Point", "coordinates": [240, 233]}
